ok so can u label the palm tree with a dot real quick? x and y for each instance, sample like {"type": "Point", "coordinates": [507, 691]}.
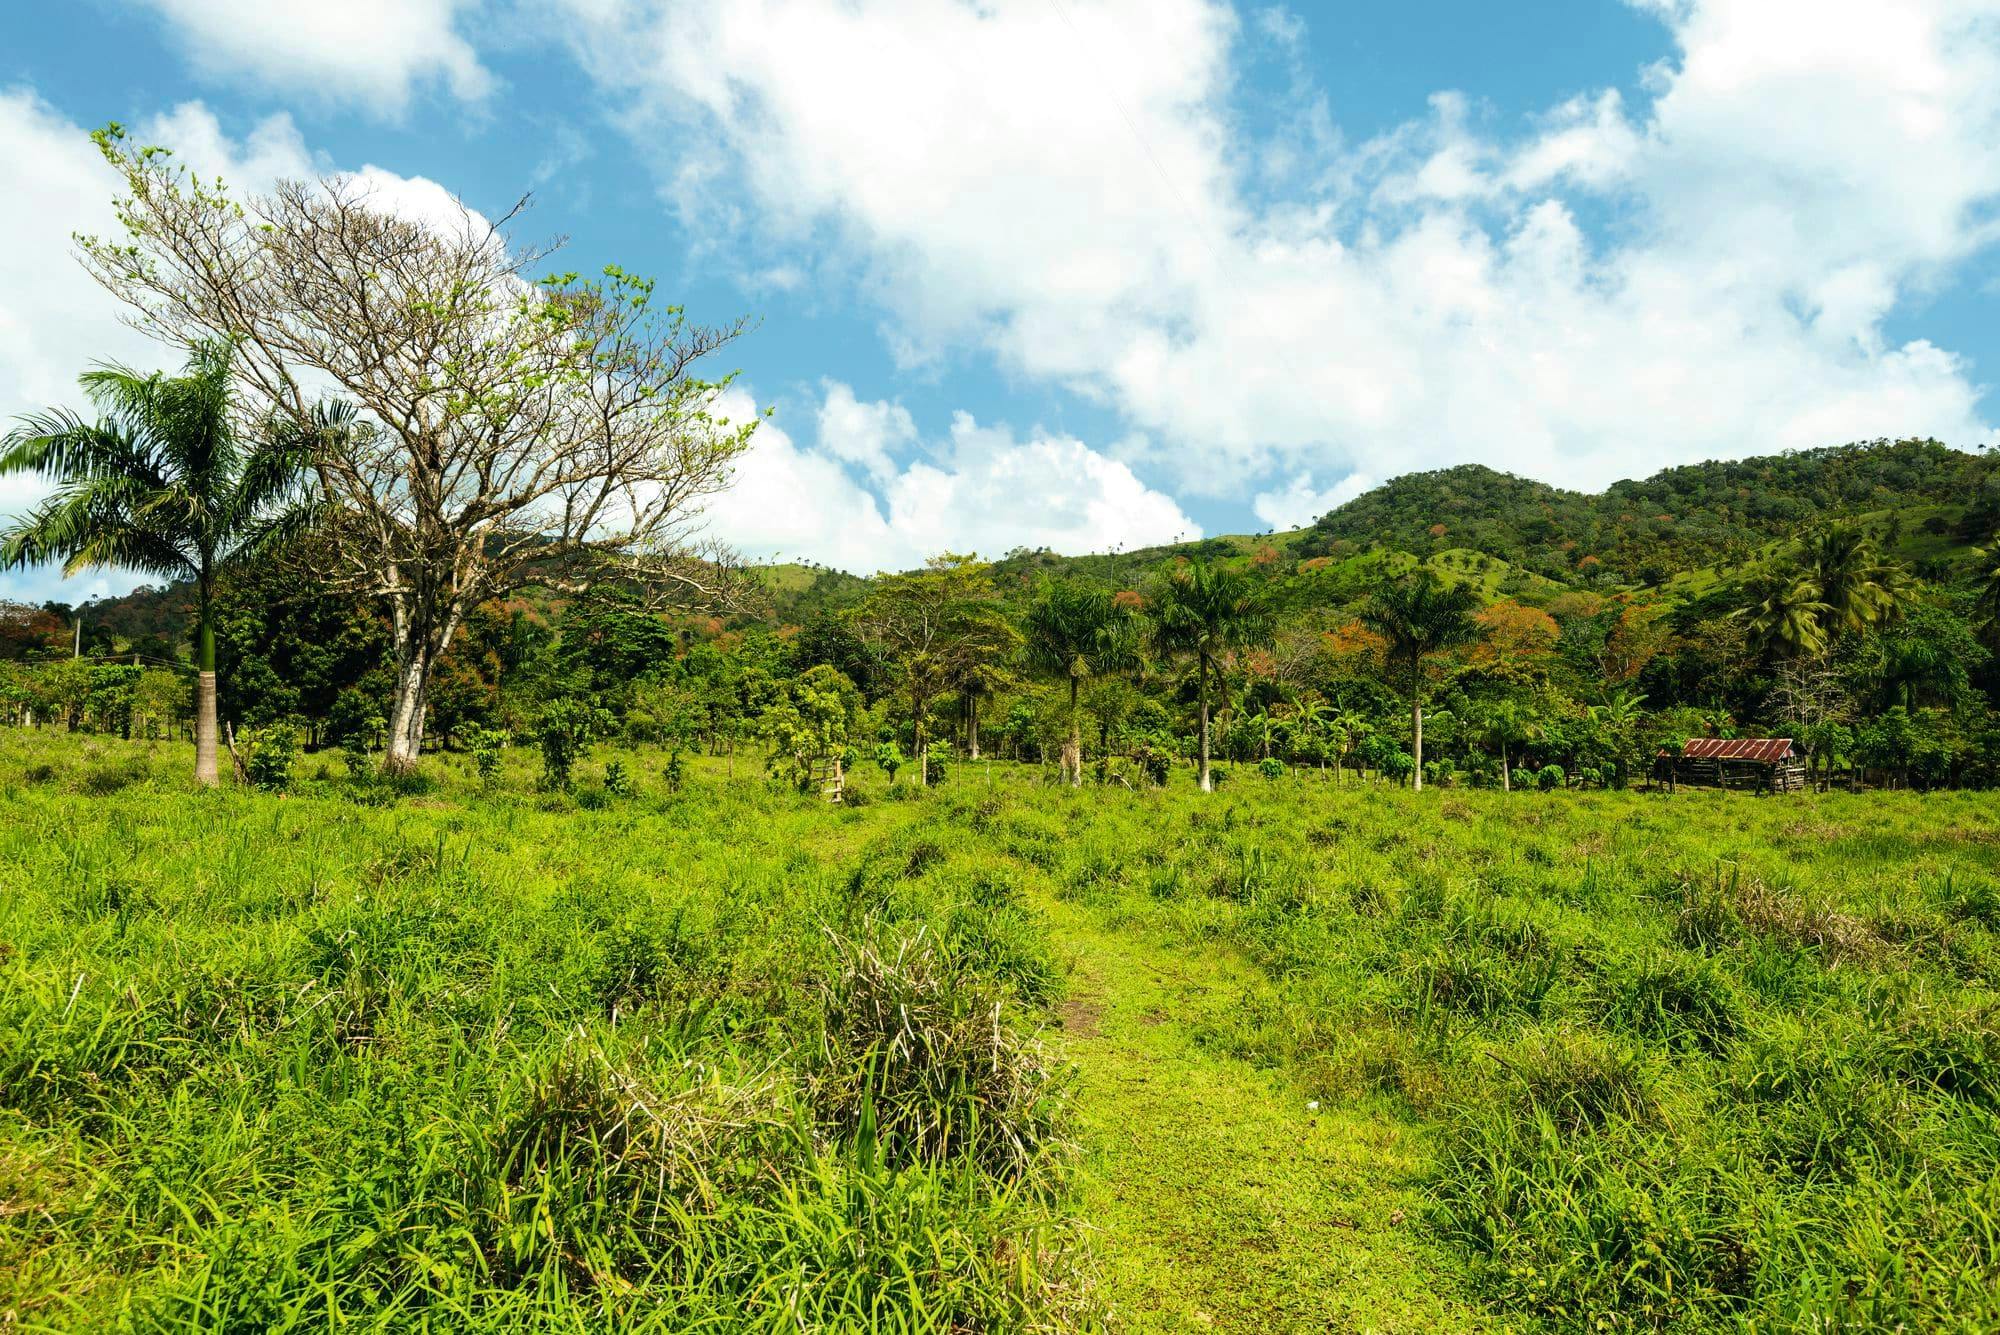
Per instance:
{"type": "Point", "coordinates": [1420, 617]}
{"type": "Point", "coordinates": [1350, 726]}
{"type": "Point", "coordinates": [165, 482]}
{"type": "Point", "coordinates": [1786, 615]}
{"type": "Point", "coordinates": [1263, 730]}
{"type": "Point", "coordinates": [1076, 631]}
{"type": "Point", "coordinates": [1619, 717]}
{"type": "Point", "coordinates": [1205, 610]}
{"type": "Point", "coordinates": [1857, 586]}
{"type": "Point", "coordinates": [1507, 726]}
{"type": "Point", "coordinates": [1988, 605]}
{"type": "Point", "coordinates": [1309, 723]}
{"type": "Point", "coordinates": [976, 680]}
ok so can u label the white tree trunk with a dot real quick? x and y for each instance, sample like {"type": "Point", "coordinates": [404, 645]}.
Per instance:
{"type": "Point", "coordinates": [1207, 784]}
{"type": "Point", "coordinates": [207, 767]}
{"type": "Point", "coordinates": [406, 719]}
{"type": "Point", "coordinates": [1417, 729]}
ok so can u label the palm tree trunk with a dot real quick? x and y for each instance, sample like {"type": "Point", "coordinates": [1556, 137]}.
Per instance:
{"type": "Point", "coordinates": [1506, 771]}
{"type": "Point", "coordinates": [1073, 747]}
{"type": "Point", "coordinates": [1417, 737]}
{"type": "Point", "coordinates": [972, 726]}
{"type": "Point", "coordinates": [918, 742]}
{"type": "Point", "coordinates": [207, 769]}
{"type": "Point", "coordinates": [1206, 785]}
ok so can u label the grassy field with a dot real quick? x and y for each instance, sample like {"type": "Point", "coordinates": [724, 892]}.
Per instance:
{"type": "Point", "coordinates": [999, 1056]}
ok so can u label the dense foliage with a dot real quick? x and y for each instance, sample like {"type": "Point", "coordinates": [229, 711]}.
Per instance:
{"type": "Point", "coordinates": [1868, 638]}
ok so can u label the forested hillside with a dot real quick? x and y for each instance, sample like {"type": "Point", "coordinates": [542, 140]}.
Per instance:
{"type": "Point", "coordinates": [1837, 595]}
{"type": "Point", "coordinates": [1681, 519]}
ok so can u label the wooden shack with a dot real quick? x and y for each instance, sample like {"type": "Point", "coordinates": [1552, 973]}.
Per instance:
{"type": "Point", "coordinates": [1757, 764]}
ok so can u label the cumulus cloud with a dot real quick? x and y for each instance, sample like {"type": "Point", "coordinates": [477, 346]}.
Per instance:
{"type": "Point", "coordinates": [370, 54]}
{"type": "Point", "coordinates": [867, 434]}
{"type": "Point", "coordinates": [1299, 502]}
{"type": "Point", "coordinates": [978, 489]}
{"type": "Point", "coordinates": [1067, 188]}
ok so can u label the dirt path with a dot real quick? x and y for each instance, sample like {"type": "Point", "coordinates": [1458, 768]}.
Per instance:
{"type": "Point", "coordinates": [1221, 1201]}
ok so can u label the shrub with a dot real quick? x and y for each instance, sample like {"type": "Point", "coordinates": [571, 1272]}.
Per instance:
{"type": "Point", "coordinates": [674, 772]}
{"type": "Point", "coordinates": [603, 1162]}
{"type": "Point", "coordinates": [1154, 763]}
{"type": "Point", "coordinates": [273, 751]}
{"type": "Point", "coordinates": [1271, 767]}
{"type": "Point", "coordinates": [486, 745]}
{"type": "Point", "coordinates": [563, 731]}
{"type": "Point", "coordinates": [1549, 778]}
{"type": "Point", "coordinates": [1580, 1078]}
{"type": "Point", "coordinates": [616, 781]}
{"type": "Point", "coordinates": [112, 778]}
{"type": "Point", "coordinates": [890, 757]}
{"type": "Point", "coordinates": [1683, 1003]}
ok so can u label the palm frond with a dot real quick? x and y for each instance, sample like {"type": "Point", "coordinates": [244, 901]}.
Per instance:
{"type": "Point", "coordinates": [158, 485]}
{"type": "Point", "coordinates": [62, 446]}
{"type": "Point", "coordinates": [273, 532]}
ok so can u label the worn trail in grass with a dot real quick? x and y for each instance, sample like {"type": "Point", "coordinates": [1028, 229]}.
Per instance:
{"type": "Point", "coordinates": [1217, 1198]}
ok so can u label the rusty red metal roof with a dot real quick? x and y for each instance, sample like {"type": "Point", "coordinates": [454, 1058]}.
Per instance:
{"type": "Point", "coordinates": [1763, 750]}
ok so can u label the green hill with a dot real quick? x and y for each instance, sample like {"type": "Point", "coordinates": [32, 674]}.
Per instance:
{"type": "Point", "coordinates": [1930, 501]}
{"type": "Point", "coordinates": [1681, 531]}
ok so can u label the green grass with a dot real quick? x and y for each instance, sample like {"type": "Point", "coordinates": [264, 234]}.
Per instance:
{"type": "Point", "coordinates": [995, 1057]}
{"type": "Point", "coordinates": [1220, 1198]}
{"type": "Point", "coordinates": [484, 1062]}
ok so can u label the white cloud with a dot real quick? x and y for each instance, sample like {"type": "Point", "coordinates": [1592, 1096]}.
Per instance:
{"type": "Point", "coordinates": [1298, 502]}
{"type": "Point", "coordinates": [981, 489]}
{"type": "Point", "coordinates": [867, 434]}
{"type": "Point", "coordinates": [368, 53]}
{"type": "Point", "coordinates": [1078, 199]}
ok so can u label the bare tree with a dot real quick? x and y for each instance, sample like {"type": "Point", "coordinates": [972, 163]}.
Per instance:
{"type": "Point", "coordinates": [490, 430]}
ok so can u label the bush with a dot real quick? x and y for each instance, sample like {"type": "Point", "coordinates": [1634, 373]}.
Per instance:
{"type": "Point", "coordinates": [918, 1056]}
{"type": "Point", "coordinates": [1154, 763]}
{"type": "Point", "coordinates": [486, 744]}
{"type": "Point", "coordinates": [616, 781]}
{"type": "Point", "coordinates": [1549, 778]}
{"type": "Point", "coordinates": [1271, 767]}
{"type": "Point", "coordinates": [564, 730]}
{"type": "Point", "coordinates": [934, 769]}
{"type": "Point", "coordinates": [273, 751]}
{"type": "Point", "coordinates": [890, 757]}
{"type": "Point", "coordinates": [674, 772]}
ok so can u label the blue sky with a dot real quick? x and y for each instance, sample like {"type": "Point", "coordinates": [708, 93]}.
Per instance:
{"type": "Point", "coordinates": [1085, 273]}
